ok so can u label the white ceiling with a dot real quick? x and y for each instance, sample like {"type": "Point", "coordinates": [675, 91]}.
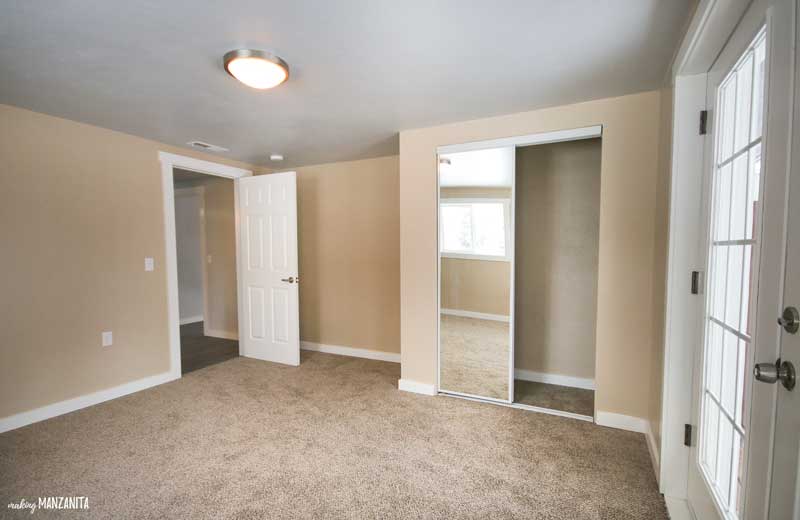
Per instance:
{"type": "Point", "coordinates": [490, 168]}
{"type": "Point", "coordinates": [360, 70]}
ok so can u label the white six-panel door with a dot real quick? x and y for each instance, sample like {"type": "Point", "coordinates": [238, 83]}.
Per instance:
{"type": "Point", "coordinates": [269, 321]}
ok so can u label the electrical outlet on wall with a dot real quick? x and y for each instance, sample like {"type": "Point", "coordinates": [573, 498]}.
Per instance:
{"type": "Point", "coordinates": [149, 263]}
{"type": "Point", "coordinates": [107, 338]}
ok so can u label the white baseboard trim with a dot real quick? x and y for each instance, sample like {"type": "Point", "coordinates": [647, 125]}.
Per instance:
{"type": "Point", "coordinates": [378, 355]}
{"type": "Point", "coordinates": [70, 405]}
{"type": "Point", "coordinates": [191, 319]}
{"type": "Point", "coordinates": [416, 387]}
{"type": "Point", "coordinates": [621, 422]}
{"type": "Point", "coordinates": [653, 449]}
{"type": "Point", "coordinates": [554, 379]}
{"type": "Point", "coordinates": [678, 509]}
{"type": "Point", "coordinates": [223, 334]}
{"type": "Point", "coordinates": [476, 315]}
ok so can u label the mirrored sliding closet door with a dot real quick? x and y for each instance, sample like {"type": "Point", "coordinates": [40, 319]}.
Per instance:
{"type": "Point", "coordinates": [475, 273]}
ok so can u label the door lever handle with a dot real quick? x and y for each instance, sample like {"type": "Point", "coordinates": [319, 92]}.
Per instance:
{"type": "Point", "coordinates": [288, 280]}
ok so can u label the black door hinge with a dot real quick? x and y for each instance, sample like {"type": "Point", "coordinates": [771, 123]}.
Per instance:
{"type": "Point", "coordinates": [687, 434]}
{"type": "Point", "coordinates": [695, 282]}
{"type": "Point", "coordinates": [703, 122]}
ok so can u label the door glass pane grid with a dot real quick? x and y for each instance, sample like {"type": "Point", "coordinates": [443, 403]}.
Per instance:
{"type": "Point", "coordinates": [735, 192]}
{"type": "Point", "coordinates": [753, 186]}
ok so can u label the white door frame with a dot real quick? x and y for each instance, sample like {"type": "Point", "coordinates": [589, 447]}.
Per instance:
{"type": "Point", "coordinates": [168, 162]}
{"type": "Point", "coordinates": [713, 22]}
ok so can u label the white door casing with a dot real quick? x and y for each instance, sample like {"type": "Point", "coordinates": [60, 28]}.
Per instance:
{"type": "Point", "coordinates": [749, 412]}
{"type": "Point", "coordinates": [784, 499]}
{"type": "Point", "coordinates": [269, 316]}
{"type": "Point", "coordinates": [169, 161]}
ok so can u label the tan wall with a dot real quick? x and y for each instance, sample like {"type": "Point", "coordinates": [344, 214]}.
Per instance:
{"type": "Point", "coordinates": [220, 224]}
{"type": "Point", "coordinates": [660, 245]}
{"type": "Point", "coordinates": [556, 238]}
{"type": "Point", "coordinates": [476, 285]}
{"type": "Point", "coordinates": [627, 225]}
{"type": "Point", "coordinates": [80, 206]}
{"type": "Point", "coordinates": [349, 227]}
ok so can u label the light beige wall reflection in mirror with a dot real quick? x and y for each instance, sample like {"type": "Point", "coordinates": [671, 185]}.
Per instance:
{"type": "Point", "coordinates": [475, 249]}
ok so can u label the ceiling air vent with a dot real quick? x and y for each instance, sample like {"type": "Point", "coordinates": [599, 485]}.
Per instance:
{"type": "Point", "coordinates": [200, 145]}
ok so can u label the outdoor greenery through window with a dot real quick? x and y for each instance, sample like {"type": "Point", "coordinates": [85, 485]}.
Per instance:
{"type": "Point", "coordinates": [475, 228]}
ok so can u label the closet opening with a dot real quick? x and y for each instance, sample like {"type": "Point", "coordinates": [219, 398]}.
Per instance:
{"type": "Point", "coordinates": [557, 241]}
{"type": "Point", "coordinates": [518, 231]}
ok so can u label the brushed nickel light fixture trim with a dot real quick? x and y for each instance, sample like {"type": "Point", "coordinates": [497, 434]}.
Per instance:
{"type": "Point", "coordinates": [257, 69]}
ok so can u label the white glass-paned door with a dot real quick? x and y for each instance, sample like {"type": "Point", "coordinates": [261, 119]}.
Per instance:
{"type": "Point", "coordinates": [732, 243]}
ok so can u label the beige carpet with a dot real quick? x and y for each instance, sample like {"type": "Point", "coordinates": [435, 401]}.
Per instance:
{"type": "Point", "coordinates": [474, 356]}
{"type": "Point", "coordinates": [333, 438]}
{"type": "Point", "coordinates": [554, 397]}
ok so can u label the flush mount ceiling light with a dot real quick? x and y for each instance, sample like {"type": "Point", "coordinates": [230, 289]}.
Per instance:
{"type": "Point", "coordinates": [276, 157]}
{"type": "Point", "coordinates": [257, 69]}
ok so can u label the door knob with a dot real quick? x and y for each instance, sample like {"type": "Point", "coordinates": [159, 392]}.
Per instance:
{"type": "Point", "coordinates": [790, 320]}
{"type": "Point", "coordinates": [288, 280]}
{"type": "Point", "coordinates": [774, 372]}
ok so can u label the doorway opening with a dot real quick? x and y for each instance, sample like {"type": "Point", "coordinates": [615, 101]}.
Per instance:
{"type": "Point", "coordinates": [191, 169]}
{"type": "Point", "coordinates": [205, 239]}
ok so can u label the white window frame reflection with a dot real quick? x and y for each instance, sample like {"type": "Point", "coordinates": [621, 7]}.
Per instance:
{"type": "Point", "coordinates": [478, 256]}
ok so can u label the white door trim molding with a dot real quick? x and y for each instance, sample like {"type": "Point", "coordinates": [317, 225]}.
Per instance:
{"type": "Point", "coordinates": [168, 162]}
{"type": "Point", "coordinates": [198, 165]}
{"type": "Point", "coordinates": [707, 33]}
{"type": "Point", "coordinates": [557, 136]}
{"type": "Point", "coordinates": [682, 309]}
{"type": "Point", "coordinates": [19, 420]}
{"type": "Point", "coordinates": [712, 25]}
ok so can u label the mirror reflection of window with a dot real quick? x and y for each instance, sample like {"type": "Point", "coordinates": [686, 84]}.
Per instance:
{"type": "Point", "coordinates": [475, 228]}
